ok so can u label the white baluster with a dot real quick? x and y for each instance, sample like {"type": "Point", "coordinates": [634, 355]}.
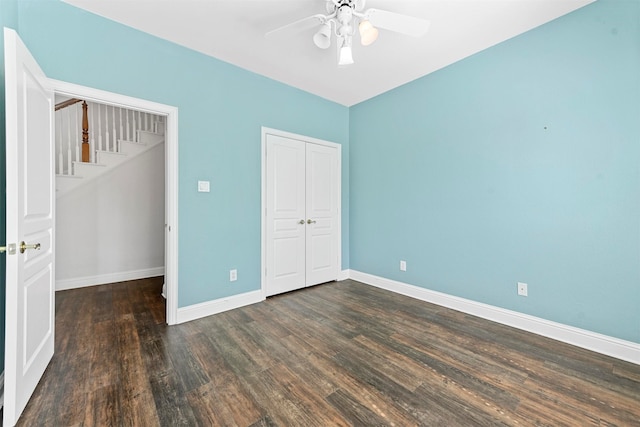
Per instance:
{"type": "Point", "coordinates": [120, 121]}
{"type": "Point", "coordinates": [107, 132]}
{"type": "Point", "coordinates": [60, 157]}
{"type": "Point", "coordinates": [113, 124]}
{"type": "Point", "coordinates": [107, 136]}
{"type": "Point", "coordinates": [68, 141]}
{"type": "Point", "coordinates": [126, 112]}
{"type": "Point", "coordinates": [138, 125]}
{"type": "Point", "coordinates": [135, 127]}
{"type": "Point", "coordinates": [77, 132]}
{"type": "Point", "coordinates": [99, 128]}
{"type": "Point", "coordinates": [92, 135]}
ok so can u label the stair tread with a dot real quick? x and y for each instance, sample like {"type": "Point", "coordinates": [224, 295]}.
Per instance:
{"type": "Point", "coordinates": [102, 165]}
{"type": "Point", "coordinates": [69, 176]}
{"type": "Point", "coordinates": [110, 152]}
{"type": "Point", "coordinates": [127, 141]}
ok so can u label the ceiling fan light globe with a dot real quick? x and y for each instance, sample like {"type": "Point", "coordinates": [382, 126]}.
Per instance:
{"type": "Point", "coordinates": [368, 33]}
{"type": "Point", "coordinates": [322, 41]}
{"type": "Point", "coordinates": [346, 56]}
{"type": "Point", "coordinates": [322, 38]}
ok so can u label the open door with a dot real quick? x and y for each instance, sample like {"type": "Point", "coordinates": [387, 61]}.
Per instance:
{"type": "Point", "coordinates": [30, 217]}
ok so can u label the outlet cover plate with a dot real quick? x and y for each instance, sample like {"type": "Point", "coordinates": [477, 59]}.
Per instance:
{"type": "Point", "coordinates": [522, 289]}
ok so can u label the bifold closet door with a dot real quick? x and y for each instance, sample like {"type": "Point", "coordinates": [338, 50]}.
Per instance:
{"type": "Point", "coordinates": [302, 191]}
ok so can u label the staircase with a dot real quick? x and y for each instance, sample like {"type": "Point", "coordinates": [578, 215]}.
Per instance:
{"type": "Point", "coordinates": [110, 137]}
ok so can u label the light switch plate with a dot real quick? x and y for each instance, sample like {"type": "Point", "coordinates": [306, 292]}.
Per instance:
{"type": "Point", "coordinates": [203, 186]}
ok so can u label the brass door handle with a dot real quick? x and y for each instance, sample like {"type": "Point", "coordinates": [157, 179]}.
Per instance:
{"type": "Point", "coordinates": [310, 221]}
{"type": "Point", "coordinates": [301, 221]}
{"type": "Point", "coordinates": [24, 246]}
{"type": "Point", "coordinates": [3, 249]}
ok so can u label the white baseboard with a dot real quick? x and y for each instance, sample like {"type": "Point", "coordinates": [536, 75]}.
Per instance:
{"type": "Point", "coordinates": [83, 282]}
{"type": "Point", "coordinates": [343, 275]}
{"type": "Point", "coordinates": [610, 346]}
{"type": "Point", "coordinates": [197, 311]}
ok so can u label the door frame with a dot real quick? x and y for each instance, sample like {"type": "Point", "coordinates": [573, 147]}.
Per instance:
{"type": "Point", "coordinates": [171, 173]}
{"type": "Point", "coordinates": [263, 197]}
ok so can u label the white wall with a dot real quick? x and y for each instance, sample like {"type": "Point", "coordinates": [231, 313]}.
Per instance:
{"type": "Point", "coordinates": [112, 228]}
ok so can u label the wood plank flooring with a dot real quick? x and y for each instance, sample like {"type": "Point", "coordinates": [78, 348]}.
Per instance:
{"type": "Point", "coordinates": [337, 354]}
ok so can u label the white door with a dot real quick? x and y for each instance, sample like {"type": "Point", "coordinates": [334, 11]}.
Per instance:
{"type": "Point", "coordinates": [286, 219]}
{"type": "Point", "coordinates": [302, 213]}
{"type": "Point", "coordinates": [30, 275]}
{"type": "Point", "coordinates": [321, 211]}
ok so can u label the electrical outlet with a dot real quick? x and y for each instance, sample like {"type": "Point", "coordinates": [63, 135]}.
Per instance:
{"type": "Point", "coordinates": [522, 289]}
{"type": "Point", "coordinates": [403, 265]}
{"type": "Point", "coordinates": [233, 275]}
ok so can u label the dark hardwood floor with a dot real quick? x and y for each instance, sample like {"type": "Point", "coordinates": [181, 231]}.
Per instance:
{"type": "Point", "coordinates": [336, 354]}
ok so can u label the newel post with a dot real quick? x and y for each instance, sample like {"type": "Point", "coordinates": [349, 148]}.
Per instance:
{"type": "Point", "coordinates": [85, 133]}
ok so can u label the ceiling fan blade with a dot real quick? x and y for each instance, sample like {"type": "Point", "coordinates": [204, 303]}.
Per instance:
{"type": "Point", "coordinates": [302, 24]}
{"type": "Point", "coordinates": [403, 24]}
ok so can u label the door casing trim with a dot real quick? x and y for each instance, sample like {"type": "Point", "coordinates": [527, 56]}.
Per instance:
{"type": "Point", "coordinates": [171, 172]}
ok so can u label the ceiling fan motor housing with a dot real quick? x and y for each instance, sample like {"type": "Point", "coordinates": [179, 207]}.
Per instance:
{"type": "Point", "coordinates": [345, 16]}
{"type": "Point", "coordinates": [334, 5]}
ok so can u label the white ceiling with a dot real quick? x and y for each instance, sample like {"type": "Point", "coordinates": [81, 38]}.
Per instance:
{"type": "Point", "coordinates": [233, 31]}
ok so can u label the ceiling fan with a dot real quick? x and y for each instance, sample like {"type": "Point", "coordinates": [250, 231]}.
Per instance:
{"type": "Point", "coordinates": [342, 18]}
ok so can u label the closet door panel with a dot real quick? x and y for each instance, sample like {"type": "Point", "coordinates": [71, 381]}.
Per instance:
{"type": "Point", "coordinates": [285, 207]}
{"type": "Point", "coordinates": [322, 198]}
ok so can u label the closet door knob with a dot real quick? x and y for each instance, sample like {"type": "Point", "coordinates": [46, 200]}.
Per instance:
{"type": "Point", "coordinates": [310, 221]}
{"type": "Point", "coordinates": [24, 246]}
{"type": "Point", "coordinates": [301, 221]}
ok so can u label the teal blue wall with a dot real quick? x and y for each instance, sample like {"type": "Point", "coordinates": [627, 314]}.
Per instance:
{"type": "Point", "coordinates": [221, 111]}
{"type": "Point", "coordinates": [8, 18]}
{"type": "Point", "coordinates": [520, 163]}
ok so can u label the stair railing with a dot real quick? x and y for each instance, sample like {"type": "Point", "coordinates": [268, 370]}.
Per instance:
{"type": "Point", "coordinates": [100, 127]}
{"type": "Point", "coordinates": [71, 115]}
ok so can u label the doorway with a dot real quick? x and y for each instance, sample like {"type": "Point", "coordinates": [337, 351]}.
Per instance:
{"type": "Point", "coordinates": [301, 205]}
{"type": "Point", "coordinates": [170, 172]}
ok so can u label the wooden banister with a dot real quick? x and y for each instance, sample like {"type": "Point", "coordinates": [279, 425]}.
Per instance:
{"type": "Point", "coordinates": [86, 157]}
{"type": "Point", "coordinates": [67, 103]}
{"type": "Point", "coordinates": [85, 133]}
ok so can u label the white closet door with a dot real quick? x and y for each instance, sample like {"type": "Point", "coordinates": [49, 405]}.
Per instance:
{"type": "Point", "coordinates": [322, 214]}
{"type": "Point", "coordinates": [302, 213]}
{"type": "Point", "coordinates": [285, 211]}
